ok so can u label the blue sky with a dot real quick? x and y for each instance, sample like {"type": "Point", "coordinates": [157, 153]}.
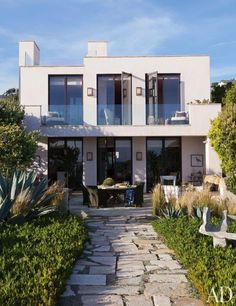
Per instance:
{"type": "Point", "coordinates": [132, 27]}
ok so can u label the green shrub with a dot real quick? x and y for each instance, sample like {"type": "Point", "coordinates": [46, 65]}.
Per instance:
{"type": "Point", "coordinates": [37, 257]}
{"type": "Point", "coordinates": [207, 266]}
{"type": "Point", "coordinates": [108, 182]}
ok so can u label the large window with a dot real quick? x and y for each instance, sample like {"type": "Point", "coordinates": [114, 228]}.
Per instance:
{"type": "Point", "coordinates": [163, 158]}
{"type": "Point", "coordinates": [65, 161]}
{"type": "Point", "coordinates": [114, 99]}
{"type": "Point", "coordinates": [162, 96]}
{"type": "Point", "coordinates": [66, 99]}
{"type": "Point", "coordinates": [114, 159]}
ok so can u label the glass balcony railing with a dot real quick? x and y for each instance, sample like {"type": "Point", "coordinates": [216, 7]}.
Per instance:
{"type": "Point", "coordinates": [114, 114]}
{"type": "Point", "coordinates": [165, 114]}
{"type": "Point", "coordinates": [63, 115]}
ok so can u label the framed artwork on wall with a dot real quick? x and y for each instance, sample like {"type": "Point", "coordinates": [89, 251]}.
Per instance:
{"type": "Point", "coordinates": [196, 160]}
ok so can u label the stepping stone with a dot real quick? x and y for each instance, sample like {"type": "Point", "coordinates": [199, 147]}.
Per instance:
{"type": "Point", "coordinates": [139, 300]}
{"type": "Point", "coordinates": [161, 300]}
{"type": "Point", "coordinates": [86, 279]}
{"type": "Point", "coordinates": [129, 281]}
{"type": "Point", "coordinates": [105, 248]}
{"type": "Point", "coordinates": [101, 300]}
{"type": "Point", "coordinates": [167, 278]}
{"type": "Point", "coordinates": [106, 261]}
{"type": "Point", "coordinates": [166, 264]}
{"type": "Point", "coordinates": [121, 290]}
{"type": "Point", "coordinates": [129, 273]}
{"type": "Point", "coordinates": [102, 270]}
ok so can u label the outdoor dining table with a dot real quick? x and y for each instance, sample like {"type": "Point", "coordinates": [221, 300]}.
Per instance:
{"type": "Point", "coordinates": [114, 192]}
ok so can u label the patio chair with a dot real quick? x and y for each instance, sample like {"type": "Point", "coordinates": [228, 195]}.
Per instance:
{"type": "Point", "coordinates": [129, 197]}
{"type": "Point", "coordinates": [138, 193]}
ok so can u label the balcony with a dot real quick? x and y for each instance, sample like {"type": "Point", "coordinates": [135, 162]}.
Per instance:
{"type": "Point", "coordinates": [63, 115]}
{"type": "Point", "coordinates": [165, 114]}
{"type": "Point", "coordinates": [119, 114]}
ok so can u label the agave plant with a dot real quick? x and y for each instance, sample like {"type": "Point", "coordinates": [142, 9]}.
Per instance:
{"type": "Point", "coordinates": [169, 211]}
{"type": "Point", "coordinates": [21, 197]}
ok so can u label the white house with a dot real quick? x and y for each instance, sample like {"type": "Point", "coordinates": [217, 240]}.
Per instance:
{"type": "Point", "coordinates": [126, 117]}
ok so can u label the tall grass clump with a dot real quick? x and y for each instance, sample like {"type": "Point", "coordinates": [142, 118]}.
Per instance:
{"type": "Point", "coordinates": [158, 199]}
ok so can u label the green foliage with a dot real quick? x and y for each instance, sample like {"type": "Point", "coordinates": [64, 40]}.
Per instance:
{"type": "Point", "coordinates": [223, 138]}
{"type": "Point", "coordinates": [11, 112]}
{"type": "Point", "coordinates": [17, 147]}
{"type": "Point", "coordinates": [108, 182]}
{"type": "Point", "coordinates": [169, 211]}
{"type": "Point", "coordinates": [22, 199]}
{"type": "Point", "coordinates": [218, 92]}
{"type": "Point", "coordinates": [207, 266]}
{"type": "Point", "coordinates": [36, 258]}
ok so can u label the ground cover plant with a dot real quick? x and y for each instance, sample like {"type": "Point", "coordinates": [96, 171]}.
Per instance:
{"type": "Point", "coordinates": [36, 257]}
{"type": "Point", "coordinates": [208, 267]}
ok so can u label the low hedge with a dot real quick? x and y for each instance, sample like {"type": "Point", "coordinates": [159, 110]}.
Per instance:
{"type": "Point", "coordinates": [36, 257]}
{"type": "Point", "coordinates": [208, 267]}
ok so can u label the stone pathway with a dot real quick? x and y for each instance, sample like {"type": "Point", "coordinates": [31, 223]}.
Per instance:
{"type": "Point", "coordinates": [126, 264]}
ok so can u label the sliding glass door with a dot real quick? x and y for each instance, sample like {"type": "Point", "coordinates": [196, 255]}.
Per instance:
{"type": "Point", "coordinates": [114, 159]}
{"type": "Point", "coordinates": [163, 158]}
{"type": "Point", "coordinates": [65, 161]}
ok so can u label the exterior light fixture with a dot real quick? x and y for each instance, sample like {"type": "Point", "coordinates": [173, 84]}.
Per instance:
{"type": "Point", "coordinates": [89, 156]}
{"type": "Point", "coordinates": [139, 156]}
{"type": "Point", "coordinates": [89, 91]}
{"type": "Point", "coordinates": [138, 91]}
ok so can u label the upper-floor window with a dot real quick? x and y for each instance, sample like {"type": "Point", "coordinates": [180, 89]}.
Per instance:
{"type": "Point", "coordinates": [114, 99]}
{"type": "Point", "coordinates": [162, 97]}
{"type": "Point", "coordinates": [66, 99]}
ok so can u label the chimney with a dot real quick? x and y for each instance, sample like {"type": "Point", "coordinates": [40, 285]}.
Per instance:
{"type": "Point", "coordinates": [97, 48]}
{"type": "Point", "coordinates": [29, 53]}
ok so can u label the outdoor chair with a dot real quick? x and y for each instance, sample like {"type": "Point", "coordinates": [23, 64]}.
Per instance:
{"type": "Point", "coordinates": [129, 197]}
{"type": "Point", "coordinates": [138, 193]}
{"type": "Point", "coordinates": [98, 197]}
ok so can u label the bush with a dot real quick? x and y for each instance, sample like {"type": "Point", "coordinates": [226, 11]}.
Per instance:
{"type": "Point", "coordinates": [108, 182]}
{"type": "Point", "coordinates": [36, 258]}
{"type": "Point", "coordinates": [208, 266]}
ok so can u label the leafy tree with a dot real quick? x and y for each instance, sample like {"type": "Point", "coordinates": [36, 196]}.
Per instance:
{"type": "Point", "coordinates": [223, 137]}
{"type": "Point", "coordinates": [17, 146]}
{"type": "Point", "coordinates": [218, 92]}
{"type": "Point", "coordinates": [11, 112]}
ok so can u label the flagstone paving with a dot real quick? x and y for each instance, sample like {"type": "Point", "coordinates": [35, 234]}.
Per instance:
{"type": "Point", "coordinates": [125, 263]}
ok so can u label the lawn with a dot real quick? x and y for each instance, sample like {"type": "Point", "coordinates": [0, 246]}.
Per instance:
{"type": "Point", "coordinates": [36, 258]}
{"type": "Point", "coordinates": [208, 267]}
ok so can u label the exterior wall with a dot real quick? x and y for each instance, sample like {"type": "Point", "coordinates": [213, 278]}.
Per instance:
{"type": "Point", "coordinates": [41, 161]}
{"type": "Point", "coordinates": [90, 167]}
{"type": "Point", "coordinates": [139, 166]}
{"type": "Point", "coordinates": [191, 145]}
{"type": "Point", "coordinates": [212, 160]}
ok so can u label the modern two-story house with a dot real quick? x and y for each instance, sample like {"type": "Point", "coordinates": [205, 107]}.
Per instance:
{"type": "Point", "coordinates": [127, 117]}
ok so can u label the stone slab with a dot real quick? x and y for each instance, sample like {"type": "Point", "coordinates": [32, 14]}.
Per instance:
{"type": "Point", "coordinates": [102, 270]}
{"type": "Point", "coordinates": [86, 279]}
{"type": "Point", "coordinates": [104, 260]}
{"type": "Point", "coordinates": [161, 300]}
{"type": "Point", "coordinates": [121, 290]}
{"type": "Point", "coordinates": [168, 278]}
{"type": "Point", "coordinates": [188, 302]}
{"type": "Point", "coordinates": [139, 300]}
{"type": "Point", "coordinates": [101, 300]}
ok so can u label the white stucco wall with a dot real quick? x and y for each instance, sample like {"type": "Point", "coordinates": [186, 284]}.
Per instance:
{"type": "Point", "coordinates": [139, 166]}
{"type": "Point", "coordinates": [191, 145]}
{"type": "Point", "coordinates": [90, 167]}
{"type": "Point", "coordinates": [212, 160]}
